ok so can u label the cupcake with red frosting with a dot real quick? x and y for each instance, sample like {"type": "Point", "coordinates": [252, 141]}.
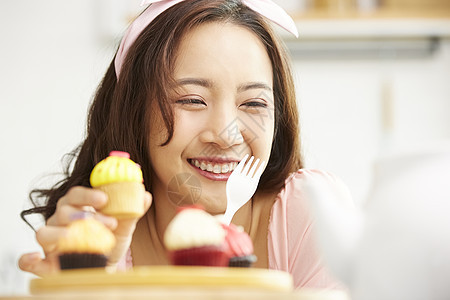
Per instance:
{"type": "Point", "coordinates": [196, 238]}
{"type": "Point", "coordinates": [240, 247]}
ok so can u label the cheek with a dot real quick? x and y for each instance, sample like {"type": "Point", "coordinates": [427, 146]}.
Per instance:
{"type": "Point", "coordinates": [158, 131]}
{"type": "Point", "coordinates": [186, 127]}
{"type": "Point", "coordinates": [258, 133]}
{"type": "Point", "coordinates": [188, 123]}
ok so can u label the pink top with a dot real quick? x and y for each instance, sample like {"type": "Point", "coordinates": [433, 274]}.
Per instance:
{"type": "Point", "coordinates": [291, 244]}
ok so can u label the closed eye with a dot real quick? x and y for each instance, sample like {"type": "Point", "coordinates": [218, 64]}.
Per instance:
{"type": "Point", "coordinates": [254, 104]}
{"type": "Point", "coordinates": [192, 101]}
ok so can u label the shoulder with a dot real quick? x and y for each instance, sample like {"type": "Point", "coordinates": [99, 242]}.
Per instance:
{"type": "Point", "coordinates": [308, 176]}
{"type": "Point", "coordinates": [298, 187]}
{"type": "Point", "coordinates": [292, 204]}
{"type": "Point", "coordinates": [291, 242]}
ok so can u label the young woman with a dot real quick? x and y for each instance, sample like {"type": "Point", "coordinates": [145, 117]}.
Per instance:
{"type": "Point", "coordinates": [195, 86]}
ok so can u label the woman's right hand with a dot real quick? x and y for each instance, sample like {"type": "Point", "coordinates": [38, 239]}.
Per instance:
{"type": "Point", "coordinates": [77, 199]}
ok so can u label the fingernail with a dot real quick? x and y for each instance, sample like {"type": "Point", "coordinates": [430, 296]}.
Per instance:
{"type": "Point", "coordinates": [32, 257]}
{"type": "Point", "coordinates": [81, 215]}
{"type": "Point", "coordinates": [108, 221]}
{"type": "Point", "coordinates": [100, 197]}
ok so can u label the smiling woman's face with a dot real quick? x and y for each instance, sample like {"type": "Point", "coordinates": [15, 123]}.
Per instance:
{"type": "Point", "coordinates": [223, 109]}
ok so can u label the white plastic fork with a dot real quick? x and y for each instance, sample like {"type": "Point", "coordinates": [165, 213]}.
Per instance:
{"type": "Point", "coordinates": [241, 186]}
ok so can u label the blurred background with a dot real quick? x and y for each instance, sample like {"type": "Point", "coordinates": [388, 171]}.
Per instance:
{"type": "Point", "coordinates": [372, 76]}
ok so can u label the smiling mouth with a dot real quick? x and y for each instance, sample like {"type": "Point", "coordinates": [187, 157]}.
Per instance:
{"type": "Point", "coordinates": [213, 167]}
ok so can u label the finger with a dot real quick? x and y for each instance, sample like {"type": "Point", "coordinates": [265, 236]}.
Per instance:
{"type": "Point", "coordinates": [65, 215]}
{"type": "Point", "coordinates": [27, 260]}
{"type": "Point", "coordinates": [82, 196]}
{"type": "Point", "coordinates": [148, 198]}
{"type": "Point", "coordinates": [126, 226]}
{"type": "Point", "coordinates": [108, 221]}
{"type": "Point", "coordinates": [33, 263]}
{"type": "Point", "coordinates": [47, 237]}
{"type": "Point", "coordinates": [62, 215]}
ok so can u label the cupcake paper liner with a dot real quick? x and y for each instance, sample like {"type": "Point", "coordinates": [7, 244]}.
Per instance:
{"type": "Point", "coordinates": [213, 256]}
{"type": "Point", "coordinates": [125, 199]}
{"type": "Point", "coordinates": [242, 261]}
{"type": "Point", "coordinates": [69, 261]}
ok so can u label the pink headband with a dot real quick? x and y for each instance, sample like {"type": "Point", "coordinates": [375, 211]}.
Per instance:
{"type": "Point", "coordinates": [266, 8]}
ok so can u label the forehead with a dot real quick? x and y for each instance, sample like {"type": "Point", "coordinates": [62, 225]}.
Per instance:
{"type": "Point", "coordinates": [223, 47]}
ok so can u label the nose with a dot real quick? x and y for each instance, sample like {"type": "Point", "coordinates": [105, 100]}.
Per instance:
{"type": "Point", "coordinates": [223, 128]}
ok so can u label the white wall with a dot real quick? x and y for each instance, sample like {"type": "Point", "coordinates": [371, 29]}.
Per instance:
{"type": "Point", "coordinates": [51, 59]}
{"type": "Point", "coordinates": [353, 111]}
{"type": "Point", "coordinates": [53, 53]}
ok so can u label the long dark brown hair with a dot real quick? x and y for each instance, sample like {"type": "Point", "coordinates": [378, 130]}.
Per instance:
{"type": "Point", "coordinates": [119, 115]}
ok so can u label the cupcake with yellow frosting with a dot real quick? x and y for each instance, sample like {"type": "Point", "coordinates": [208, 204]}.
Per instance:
{"type": "Point", "coordinates": [121, 179]}
{"type": "Point", "coordinates": [86, 244]}
{"type": "Point", "coordinates": [194, 237]}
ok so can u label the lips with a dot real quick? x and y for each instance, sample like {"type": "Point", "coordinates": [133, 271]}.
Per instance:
{"type": "Point", "coordinates": [213, 166]}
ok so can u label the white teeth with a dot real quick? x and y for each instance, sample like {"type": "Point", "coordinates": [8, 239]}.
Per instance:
{"type": "Point", "coordinates": [215, 168]}
{"type": "Point", "coordinates": [225, 168]}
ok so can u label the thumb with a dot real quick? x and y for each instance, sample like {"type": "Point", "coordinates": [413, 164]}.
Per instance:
{"type": "Point", "coordinates": [124, 233]}
{"type": "Point", "coordinates": [34, 263]}
{"type": "Point", "coordinates": [148, 199]}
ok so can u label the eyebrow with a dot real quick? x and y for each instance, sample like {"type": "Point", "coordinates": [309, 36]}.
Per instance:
{"type": "Point", "coordinates": [195, 81]}
{"type": "Point", "coordinates": [254, 85]}
{"type": "Point", "coordinates": [208, 84]}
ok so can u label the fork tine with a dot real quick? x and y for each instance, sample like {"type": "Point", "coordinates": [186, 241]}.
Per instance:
{"type": "Point", "coordinates": [240, 165]}
{"type": "Point", "coordinates": [252, 170]}
{"type": "Point", "coordinates": [260, 170]}
{"type": "Point", "coordinates": [247, 166]}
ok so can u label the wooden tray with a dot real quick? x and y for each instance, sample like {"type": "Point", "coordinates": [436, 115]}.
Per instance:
{"type": "Point", "coordinates": [165, 276]}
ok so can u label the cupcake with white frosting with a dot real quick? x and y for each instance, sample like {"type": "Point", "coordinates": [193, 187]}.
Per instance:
{"type": "Point", "coordinates": [194, 237]}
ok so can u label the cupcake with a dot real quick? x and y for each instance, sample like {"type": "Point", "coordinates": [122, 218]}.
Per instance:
{"type": "Point", "coordinates": [87, 244]}
{"type": "Point", "coordinates": [240, 246]}
{"type": "Point", "coordinates": [121, 179]}
{"type": "Point", "coordinates": [196, 238]}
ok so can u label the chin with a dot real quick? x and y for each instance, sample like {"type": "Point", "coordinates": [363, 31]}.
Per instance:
{"type": "Point", "coordinates": [213, 206]}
